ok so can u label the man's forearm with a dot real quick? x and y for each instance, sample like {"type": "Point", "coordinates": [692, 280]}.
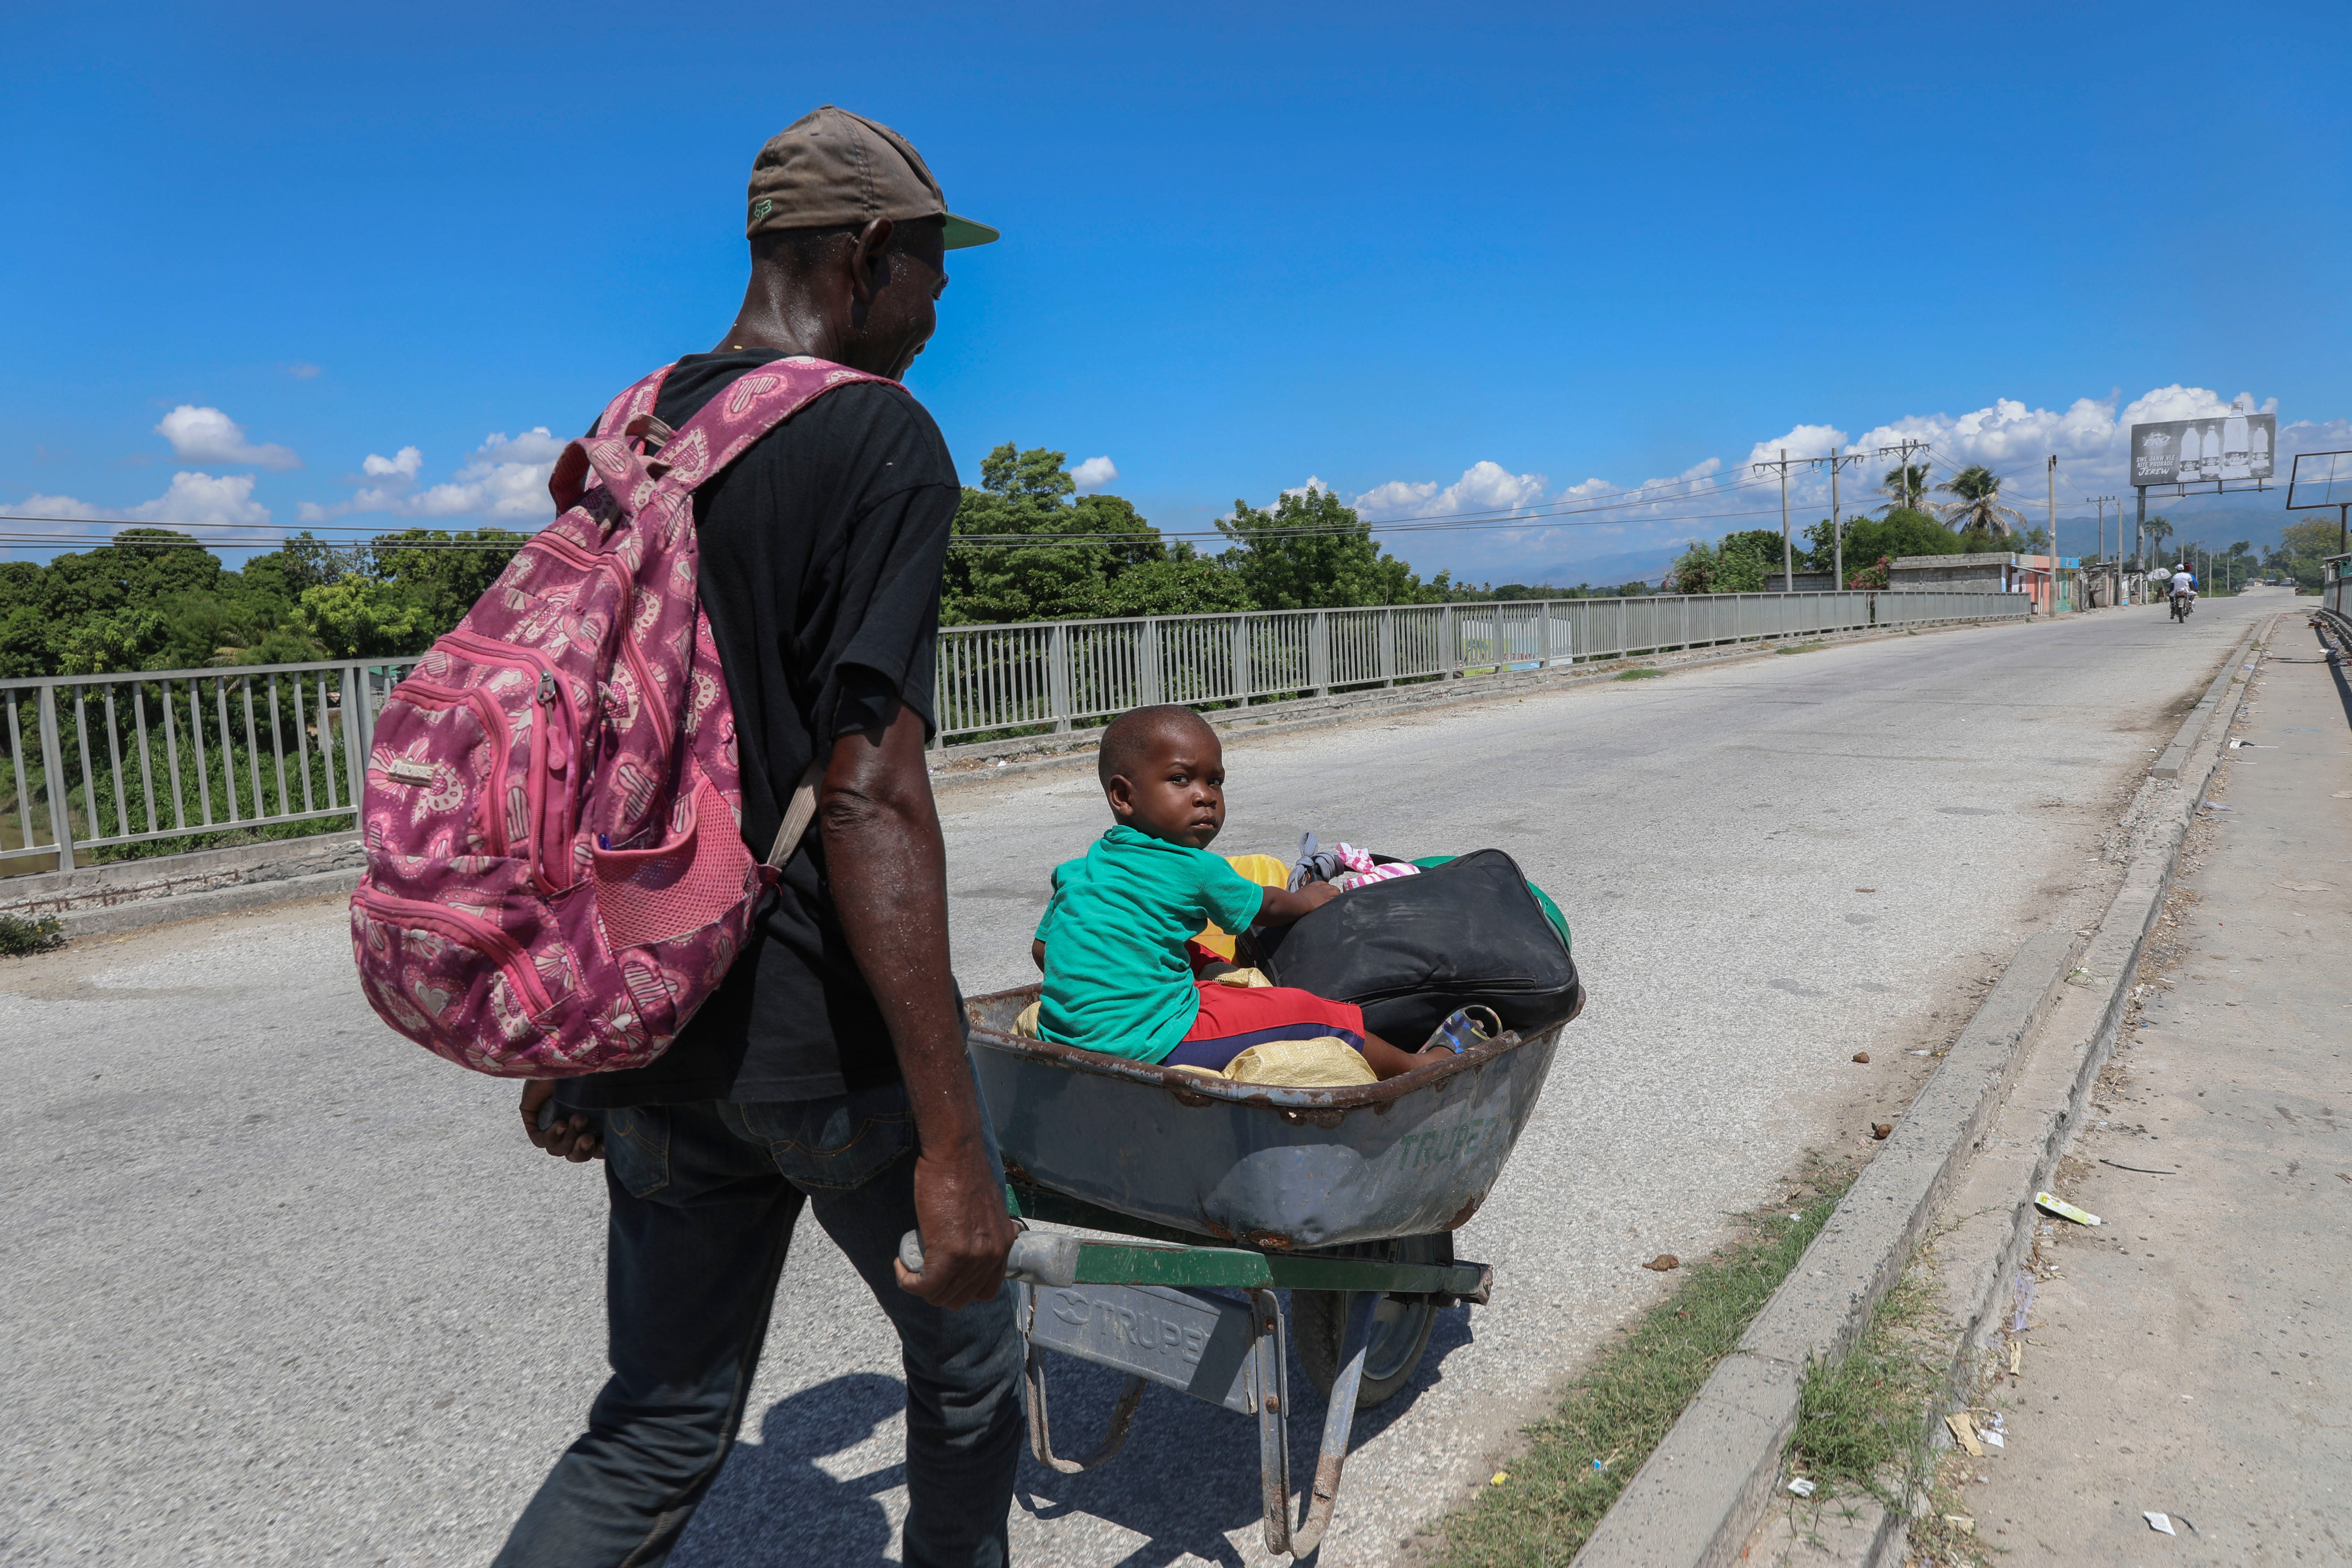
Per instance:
{"type": "Point", "coordinates": [888, 874]}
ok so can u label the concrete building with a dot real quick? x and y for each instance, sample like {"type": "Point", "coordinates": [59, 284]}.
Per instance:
{"type": "Point", "coordinates": [1989, 572]}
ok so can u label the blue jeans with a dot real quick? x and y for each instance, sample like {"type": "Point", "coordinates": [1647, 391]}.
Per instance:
{"type": "Point", "coordinates": [704, 1200]}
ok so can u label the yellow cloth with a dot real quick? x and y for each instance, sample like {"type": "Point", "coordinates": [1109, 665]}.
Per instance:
{"type": "Point", "coordinates": [1328, 1062]}
{"type": "Point", "coordinates": [1246, 979]}
{"type": "Point", "coordinates": [1267, 871]}
{"type": "Point", "coordinates": [1025, 1026]}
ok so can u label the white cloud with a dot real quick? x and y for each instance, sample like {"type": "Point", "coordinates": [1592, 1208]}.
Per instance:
{"type": "Point", "coordinates": [302, 371]}
{"type": "Point", "coordinates": [200, 501]}
{"type": "Point", "coordinates": [533, 446]}
{"type": "Point", "coordinates": [405, 465]}
{"type": "Point", "coordinates": [1484, 487]}
{"type": "Point", "coordinates": [505, 481]}
{"type": "Point", "coordinates": [1094, 473]}
{"type": "Point", "coordinates": [1801, 441]}
{"type": "Point", "coordinates": [194, 501]}
{"type": "Point", "coordinates": [208, 435]}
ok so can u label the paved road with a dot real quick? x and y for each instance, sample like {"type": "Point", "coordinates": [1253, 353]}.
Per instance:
{"type": "Point", "coordinates": [2188, 1357]}
{"type": "Point", "coordinates": [280, 1288]}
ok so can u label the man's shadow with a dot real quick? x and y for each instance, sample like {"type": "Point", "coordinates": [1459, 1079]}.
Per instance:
{"type": "Point", "coordinates": [1188, 1473]}
{"type": "Point", "coordinates": [774, 1506]}
{"type": "Point", "coordinates": [1188, 1476]}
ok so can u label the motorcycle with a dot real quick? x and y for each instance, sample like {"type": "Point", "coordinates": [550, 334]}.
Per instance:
{"type": "Point", "coordinates": [2184, 605]}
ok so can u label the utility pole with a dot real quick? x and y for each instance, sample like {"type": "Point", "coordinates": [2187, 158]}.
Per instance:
{"type": "Point", "coordinates": [2115, 564]}
{"type": "Point", "coordinates": [2054, 536]}
{"type": "Point", "coordinates": [1836, 460]}
{"type": "Point", "coordinates": [1788, 549]}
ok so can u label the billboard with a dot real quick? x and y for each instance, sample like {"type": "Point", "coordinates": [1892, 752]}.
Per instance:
{"type": "Point", "coordinates": [2230, 446]}
{"type": "Point", "coordinates": [2318, 480]}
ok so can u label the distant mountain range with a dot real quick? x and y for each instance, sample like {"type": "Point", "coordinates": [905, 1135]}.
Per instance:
{"type": "Point", "coordinates": [2214, 521]}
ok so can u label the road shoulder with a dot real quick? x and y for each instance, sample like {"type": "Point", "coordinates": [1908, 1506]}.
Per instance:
{"type": "Point", "coordinates": [2185, 1357]}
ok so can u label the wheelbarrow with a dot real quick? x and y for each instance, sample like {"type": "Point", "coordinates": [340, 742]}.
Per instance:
{"type": "Point", "coordinates": [1346, 1197]}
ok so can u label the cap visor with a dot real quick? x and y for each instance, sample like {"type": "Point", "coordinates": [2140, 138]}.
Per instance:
{"type": "Point", "coordinates": [960, 233]}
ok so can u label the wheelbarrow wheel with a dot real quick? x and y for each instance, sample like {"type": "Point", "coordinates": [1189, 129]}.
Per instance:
{"type": "Point", "coordinates": [1401, 1331]}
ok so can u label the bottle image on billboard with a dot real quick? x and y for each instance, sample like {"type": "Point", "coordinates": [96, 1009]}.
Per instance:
{"type": "Point", "coordinates": [2236, 449]}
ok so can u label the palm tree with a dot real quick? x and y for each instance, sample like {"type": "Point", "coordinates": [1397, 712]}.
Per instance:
{"type": "Point", "coordinates": [1902, 487]}
{"type": "Point", "coordinates": [2157, 531]}
{"type": "Point", "coordinates": [1979, 510]}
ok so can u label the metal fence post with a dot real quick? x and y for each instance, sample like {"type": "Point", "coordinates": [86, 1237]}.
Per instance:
{"type": "Point", "coordinates": [1148, 661]}
{"type": "Point", "coordinates": [1241, 624]}
{"type": "Point", "coordinates": [1450, 656]}
{"type": "Point", "coordinates": [1057, 678]}
{"type": "Point", "coordinates": [54, 774]}
{"type": "Point", "coordinates": [355, 747]}
{"type": "Point", "coordinates": [1318, 653]}
{"type": "Point", "coordinates": [1388, 645]}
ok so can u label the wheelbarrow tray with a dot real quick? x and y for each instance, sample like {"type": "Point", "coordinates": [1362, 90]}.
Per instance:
{"type": "Point", "coordinates": [1274, 1168]}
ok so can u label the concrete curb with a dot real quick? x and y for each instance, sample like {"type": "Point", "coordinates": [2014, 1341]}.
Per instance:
{"type": "Point", "coordinates": [1704, 1489]}
{"type": "Point", "coordinates": [107, 920]}
{"type": "Point", "coordinates": [118, 883]}
{"type": "Point", "coordinates": [1701, 1494]}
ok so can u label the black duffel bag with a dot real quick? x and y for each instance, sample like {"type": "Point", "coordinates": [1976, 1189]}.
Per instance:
{"type": "Point", "coordinates": [1411, 951]}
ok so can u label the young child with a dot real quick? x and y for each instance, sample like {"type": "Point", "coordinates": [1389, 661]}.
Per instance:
{"type": "Point", "coordinates": [1112, 942]}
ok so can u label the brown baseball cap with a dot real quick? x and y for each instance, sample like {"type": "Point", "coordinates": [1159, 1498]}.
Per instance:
{"type": "Point", "coordinates": [833, 169]}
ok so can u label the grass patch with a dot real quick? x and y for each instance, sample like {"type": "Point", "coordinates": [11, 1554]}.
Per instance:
{"type": "Point", "coordinates": [1870, 1424]}
{"type": "Point", "coordinates": [1865, 1424]}
{"type": "Point", "coordinates": [1804, 647]}
{"type": "Point", "coordinates": [1644, 673]}
{"type": "Point", "coordinates": [19, 936]}
{"type": "Point", "coordinates": [1581, 1456]}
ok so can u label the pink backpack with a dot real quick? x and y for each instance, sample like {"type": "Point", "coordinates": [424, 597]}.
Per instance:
{"type": "Point", "coordinates": [556, 875]}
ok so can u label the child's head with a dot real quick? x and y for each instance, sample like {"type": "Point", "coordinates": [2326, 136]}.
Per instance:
{"type": "Point", "coordinates": [1164, 775]}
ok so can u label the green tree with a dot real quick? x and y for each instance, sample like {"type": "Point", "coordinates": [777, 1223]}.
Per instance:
{"type": "Point", "coordinates": [1049, 556]}
{"type": "Point", "coordinates": [1900, 532]}
{"type": "Point", "coordinates": [2157, 529]}
{"type": "Point", "coordinates": [1977, 510]}
{"type": "Point", "coordinates": [1902, 487]}
{"type": "Point", "coordinates": [1184, 583]}
{"type": "Point", "coordinates": [1312, 552]}
{"type": "Point", "coordinates": [1742, 563]}
{"type": "Point", "coordinates": [359, 618]}
{"type": "Point", "coordinates": [2302, 547]}
{"type": "Point", "coordinates": [442, 572]}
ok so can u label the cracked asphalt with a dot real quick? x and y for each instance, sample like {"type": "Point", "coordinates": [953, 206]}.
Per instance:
{"type": "Point", "coordinates": [282, 1289]}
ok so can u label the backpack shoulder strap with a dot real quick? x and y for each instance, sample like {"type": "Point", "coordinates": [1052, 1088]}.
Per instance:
{"type": "Point", "coordinates": [798, 815]}
{"type": "Point", "coordinates": [755, 402]}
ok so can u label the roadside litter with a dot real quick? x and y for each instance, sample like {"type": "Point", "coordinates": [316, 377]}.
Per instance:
{"type": "Point", "coordinates": [1663, 1262]}
{"type": "Point", "coordinates": [2162, 1523]}
{"type": "Point", "coordinates": [1882, 1130]}
{"type": "Point", "coordinates": [1803, 1486]}
{"type": "Point", "coordinates": [2048, 1204]}
{"type": "Point", "coordinates": [1964, 1433]}
{"type": "Point", "coordinates": [2141, 1170]}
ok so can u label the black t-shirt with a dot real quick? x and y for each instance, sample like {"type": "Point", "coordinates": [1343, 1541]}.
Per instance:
{"type": "Point", "coordinates": [822, 552]}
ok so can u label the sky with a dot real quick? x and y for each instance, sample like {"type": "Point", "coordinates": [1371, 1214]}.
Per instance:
{"type": "Point", "coordinates": [274, 266]}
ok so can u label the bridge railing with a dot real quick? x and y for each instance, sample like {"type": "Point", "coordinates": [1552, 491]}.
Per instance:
{"type": "Point", "coordinates": [102, 762]}
{"type": "Point", "coordinates": [1052, 676]}
{"type": "Point", "coordinates": [95, 761]}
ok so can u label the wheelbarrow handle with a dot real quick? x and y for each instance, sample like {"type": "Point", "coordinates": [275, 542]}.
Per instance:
{"type": "Point", "coordinates": [1036, 1258]}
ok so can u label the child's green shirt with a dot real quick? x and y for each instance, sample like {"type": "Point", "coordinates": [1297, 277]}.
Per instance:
{"type": "Point", "coordinates": [1117, 977]}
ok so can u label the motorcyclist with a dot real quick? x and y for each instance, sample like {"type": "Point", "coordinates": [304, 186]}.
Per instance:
{"type": "Point", "coordinates": [2184, 589]}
